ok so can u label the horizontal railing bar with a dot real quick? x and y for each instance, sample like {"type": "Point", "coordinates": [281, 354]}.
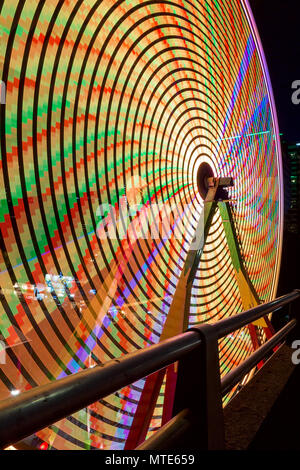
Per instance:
{"type": "Point", "coordinates": [229, 325]}
{"type": "Point", "coordinates": [233, 377]}
{"type": "Point", "coordinates": [42, 406]}
{"type": "Point", "coordinates": [277, 309]}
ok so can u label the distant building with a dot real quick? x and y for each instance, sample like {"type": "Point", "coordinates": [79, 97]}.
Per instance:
{"type": "Point", "coordinates": [291, 176]}
{"type": "Point", "coordinates": [289, 274]}
{"type": "Point", "coordinates": [286, 176]}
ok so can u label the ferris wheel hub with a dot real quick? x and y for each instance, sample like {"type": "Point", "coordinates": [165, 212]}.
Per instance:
{"type": "Point", "coordinates": [206, 181]}
{"type": "Point", "coordinates": [204, 173]}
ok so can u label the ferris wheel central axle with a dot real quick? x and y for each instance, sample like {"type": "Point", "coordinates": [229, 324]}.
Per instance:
{"type": "Point", "coordinates": [207, 183]}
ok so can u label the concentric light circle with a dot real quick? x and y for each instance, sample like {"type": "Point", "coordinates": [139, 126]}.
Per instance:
{"type": "Point", "coordinates": [114, 105]}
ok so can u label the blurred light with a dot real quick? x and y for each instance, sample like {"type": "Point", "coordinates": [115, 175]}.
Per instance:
{"type": "Point", "coordinates": [15, 392]}
{"type": "Point", "coordinates": [44, 446]}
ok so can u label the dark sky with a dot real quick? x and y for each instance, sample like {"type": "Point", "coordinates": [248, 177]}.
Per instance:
{"type": "Point", "coordinates": [278, 22]}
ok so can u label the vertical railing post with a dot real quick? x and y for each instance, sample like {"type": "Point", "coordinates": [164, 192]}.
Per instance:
{"type": "Point", "coordinates": [199, 390]}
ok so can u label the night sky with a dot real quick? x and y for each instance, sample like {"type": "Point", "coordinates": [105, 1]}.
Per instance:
{"type": "Point", "coordinates": [278, 23]}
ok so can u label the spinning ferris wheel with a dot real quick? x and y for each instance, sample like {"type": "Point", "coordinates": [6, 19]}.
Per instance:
{"type": "Point", "coordinates": [141, 194]}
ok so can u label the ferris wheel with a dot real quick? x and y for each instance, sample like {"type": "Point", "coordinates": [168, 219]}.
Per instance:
{"type": "Point", "coordinates": [141, 194]}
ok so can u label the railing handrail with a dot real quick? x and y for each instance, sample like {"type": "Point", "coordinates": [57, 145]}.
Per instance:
{"type": "Point", "coordinates": [231, 324]}
{"type": "Point", "coordinates": [33, 410]}
{"type": "Point", "coordinates": [233, 377]}
{"type": "Point", "coordinates": [44, 405]}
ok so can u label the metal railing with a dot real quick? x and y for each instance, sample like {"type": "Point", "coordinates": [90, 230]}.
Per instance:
{"type": "Point", "coordinates": [198, 413]}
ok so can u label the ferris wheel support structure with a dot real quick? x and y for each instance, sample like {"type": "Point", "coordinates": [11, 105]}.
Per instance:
{"type": "Point", "coordinates": [214, 192]}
